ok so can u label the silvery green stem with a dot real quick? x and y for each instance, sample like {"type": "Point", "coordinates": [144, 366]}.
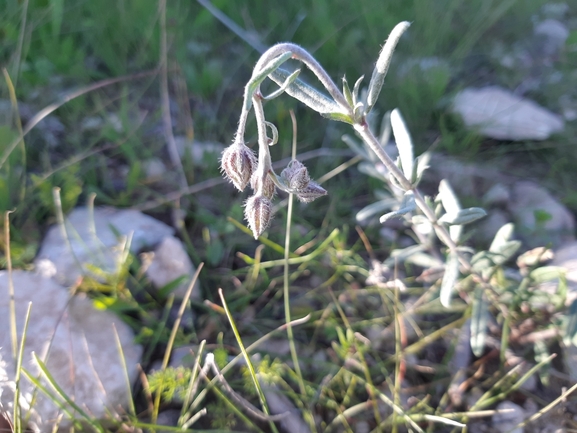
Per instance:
{"type": "Point", "coordinates": [367, 135]}
{"type": "Point", "coordinates": [304, 56]}
{"type": "Point", "coordinates": [264, 161]}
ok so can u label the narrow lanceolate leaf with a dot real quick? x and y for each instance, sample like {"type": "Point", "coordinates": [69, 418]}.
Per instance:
{"type": "Point", "coordinates": [479, 320]}
{"type": "Point", "coordinates": [356, 89]}
{"type": "Point", "coordinates": [449, 279]}
{"type": "Point", "coordinates": [463, 216]}
{"type": "Point", "coordinates": [339, 117]}
{"type": "Point", "coordinates": [407, 205]}
{"type": "Point", "coordinates": [502, 237]}
{"type": "Point", "coordinates": [451, 204]}
{"type": "Point", "coordinates": [259, 76]}
{"type": "Point", "coordinates": [382, 66]}
{"type": "Point", "coordinates": [290, 79]}
{"type": "Point", "coordinates": [375, 208]}
{"type": "Point", "coordinates": [308, 95]}
{"type": "Point", "coordinates": [570, 331]}
{"type": "Point", "coordinates": [422, 164]}
{"type": "Point", "coordinates": [347, 92]}
{"type": "Point", "coordinates": [404, 143]}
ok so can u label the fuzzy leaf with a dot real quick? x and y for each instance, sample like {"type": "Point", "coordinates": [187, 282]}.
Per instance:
{"type": "Point", "coordinates": [449, 279]}
{"type": "Point", "coordinates": [502, 237]}
{"type": "Point", "coordinates": [339, 117]}
{"type": "Point", "coordinates": [347, 92]}
{"type": "Point", "coordinates": [308, 95]}
{"type": "Point", "coordinates": [570, 329]}
{"type": "Point", "coordinates": [479, 320]}
{"type": "Point", "coordinates": [259, 76]}
{"type": "Point", "coordinates": [382, 65]}
{"type": "Point", "coordinates": [404, 144]}
{"type": "Point", "coordinates": [547, 273]}
{"type": "Point", "coordinates": [463, 216]}
{"type": "Point", "coordinates": [375, 208]}
{"type": "Point", "coordinates": [290, 79]}
{"type": "Point", "coordinates": [407, 205]}
{"type": "Point", "coordinates": [451, 204]}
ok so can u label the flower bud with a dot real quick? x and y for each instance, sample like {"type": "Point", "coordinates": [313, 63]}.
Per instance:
{"type": "Point", "coordinates": [268, 188]}
{"type": "Point", "coordinates": [311, 192]}
{"type": "Point", "coordinates": [238, 163]}
{"type": "Point", "coordinates": [296, 175]}
{"type": "Point", "coordinates": [258, 213]}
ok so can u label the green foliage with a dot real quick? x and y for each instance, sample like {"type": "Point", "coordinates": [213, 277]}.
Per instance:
{"type": "Point", "coordinates": [171, 383]}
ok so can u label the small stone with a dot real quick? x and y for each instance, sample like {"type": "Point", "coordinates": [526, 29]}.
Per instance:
{"type": "Point", "coordinates": [506, 421]}
{"type": "Point", "coordinates": [498, 195]}
{"type": "Point", "coordinates": [566, 257]}
{"type": "Point", "coordinates": [498, 113]}
{"type": "Point", "coordinates": [75, 341]}
{"type": "Point", "coordinates": [486, 229]}
{"type": "Point", "coordinates": [279, 404]}
{"type": "Point", "coordinates": [555, 34]}
{"type": "Point", "coordinates": [169, 263]}
{"type": "Point", "coordinates": [92, 240]}
{"type": "Point", "coordinates": [539, 217]}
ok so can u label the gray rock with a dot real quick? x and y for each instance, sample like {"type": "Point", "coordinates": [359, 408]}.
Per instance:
{"type": "Point", "coordinates": [76, 342]}
{"type": "Point", "coordinates": [566, 257]}
{"type": "Point", "coordinates": [506, 421]}
{"type": "Point", "coordinates": [539, 217]}
{"type": "Point", "coordinates": [553, 35]}
{"type": "Point", "coordinates": [95, 240]}
{"type": "Point", "coordinates": [488, 227]}
{"type": "Point", "coordinates": [278, 403]}
{"type": "Point", "coordinates": [498, 195]}
{"type": "Point", "coordinates": [170, 262]}
{"type": "Point", "coordinates": [497, 113]}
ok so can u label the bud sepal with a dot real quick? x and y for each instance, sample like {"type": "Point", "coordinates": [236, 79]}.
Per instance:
{"type": "Point", "coordinates": [258, 213]}
{"type": "Point", "coordinates": [238, 162]}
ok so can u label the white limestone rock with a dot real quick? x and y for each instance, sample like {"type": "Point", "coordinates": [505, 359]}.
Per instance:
{"type": "Point", "coordinates": [566, 258]}
{"type": "Point", "coordinates": [553, 33]}
{"type": "Point", "coordinates": [498, 113]}
{"type": "Point", "coordinates": [96, 240]}
{"type": "Point", "coordinates": [76, 342]}
{"type": "Point", "coordinates": [170, 262]}
{"type": "Point", "coordinates": [539, 217]}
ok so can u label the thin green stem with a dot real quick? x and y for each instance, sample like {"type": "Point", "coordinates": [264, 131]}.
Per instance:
{"type": "Point", "coordinates": [250, 367]}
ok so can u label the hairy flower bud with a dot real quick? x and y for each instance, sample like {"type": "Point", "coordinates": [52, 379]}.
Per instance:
{"type": "Point", "coordinates": [258, 213]}
{"type": "Point", "coordinates": [268, 188]}
{"type": "Point", "coordinates": [238, 163]}
{"type": "Point", "coordinates": [311, 192]}
{"type": "Point", "coordinates": [296, 175]}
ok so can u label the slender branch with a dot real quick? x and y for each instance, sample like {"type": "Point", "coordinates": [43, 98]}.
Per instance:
{"type": "Point", "coordinates": [304, 56]}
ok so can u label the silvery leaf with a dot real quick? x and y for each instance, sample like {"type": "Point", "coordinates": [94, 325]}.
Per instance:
{"type": "Point", "coordinates": [383, 62]}
{"type": "Point", "coordinates": [463, 216]}
{"type": "Point", "coordinates": [407, 205]}
{"type": "Point", "coordinates": [404, 143]}
{"type": "Point", "coordinates": [449, 279]}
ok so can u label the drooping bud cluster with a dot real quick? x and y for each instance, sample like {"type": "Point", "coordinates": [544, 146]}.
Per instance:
{"type": "Point", "coordinates": [296, 178]}
{"type": "Point", "coordinates": [296, 175]}
{"type": "Point", "coordinates": [258, 213]}
{"type": "Point", "coordinates": [238, 163]}
{"type": "Point", "coordinates": [267, 188]}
